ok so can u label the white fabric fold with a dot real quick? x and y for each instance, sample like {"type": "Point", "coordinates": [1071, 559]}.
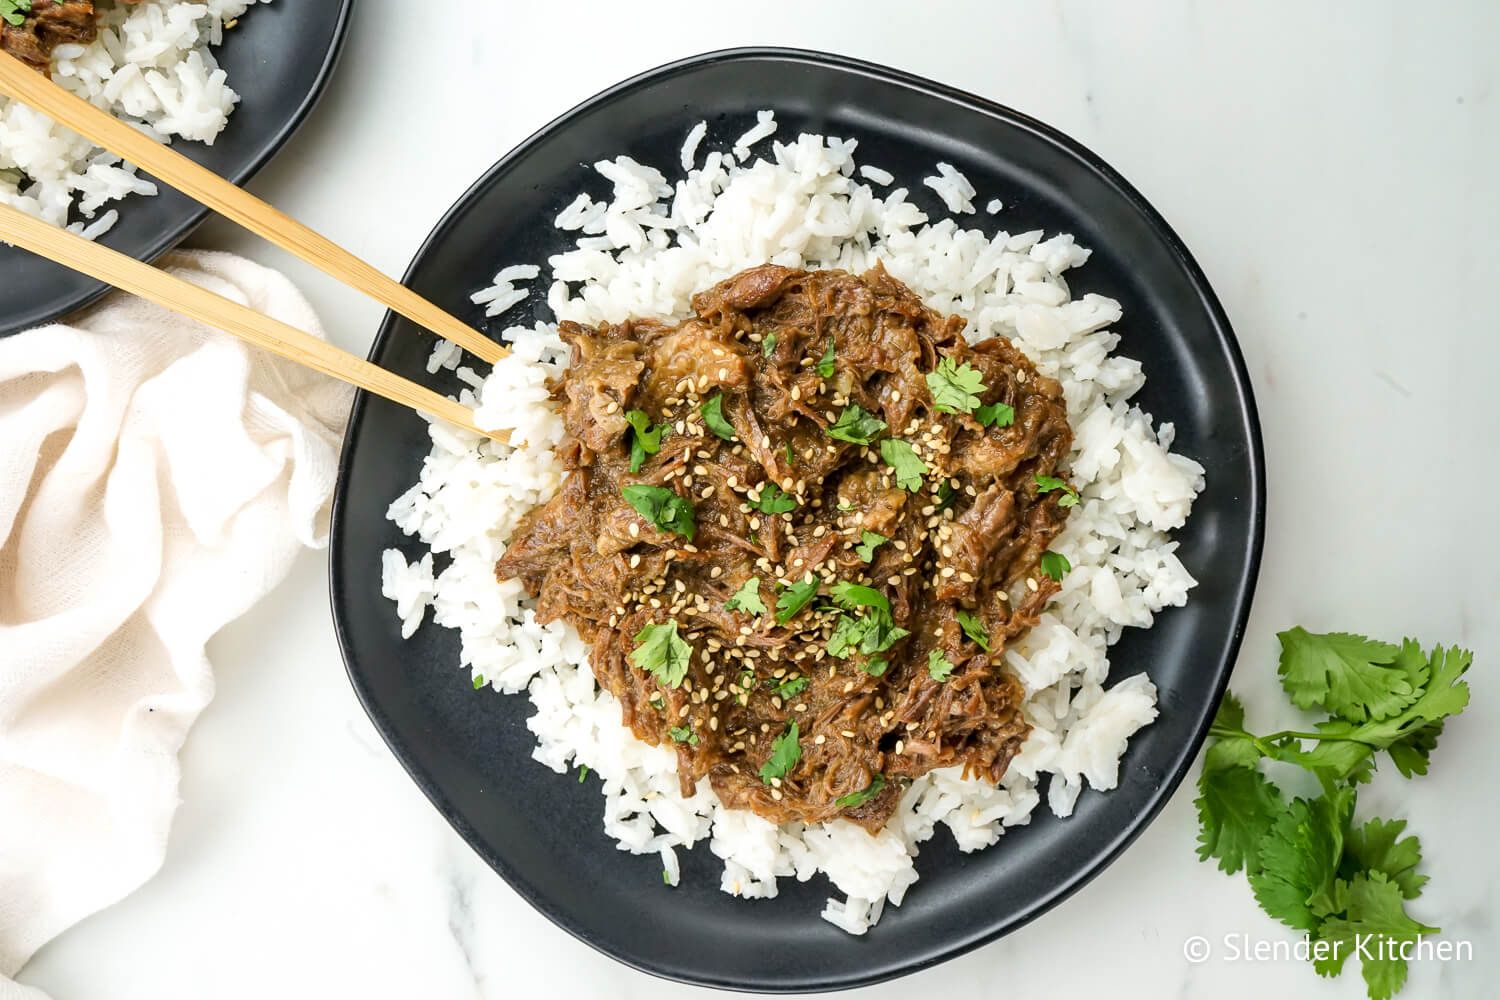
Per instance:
{"type": "Point", "coordinates": [157, 478]}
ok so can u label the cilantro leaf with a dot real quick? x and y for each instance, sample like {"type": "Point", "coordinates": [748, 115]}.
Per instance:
{"type": "Point", "coordinates": [1374, 907]}
{"type": "Point", "coordinates": [1410, 752]}
{"type": "Point", "coordinates": [869, 541]}
{"type": "Point", "coordinates": [996, 415]}
{"type": "Point", "coordinates": [714, 419]}
{"type": "Point", "coordinates": [875, 666]}
{"type": "Point", "coordinates": [855, 595]}
{"type": "Point", "coordinates": [1236, 807]}
{"type": "Point", "coordinates": [825, 363]}
{"type": "Point", "coordinates": [946, 494]}
{"type": "Point", "coordinates": [785, 753]}
{"type": "Point", "coordinates": [683, 734]}
{"type": "Point", "coordinates": [1375, 847]}
{"type": "Point", "coordinates": [1299, 859]}
{"type": "Point", "coordinates": [1055, 565]}
{"type": "Point", "coordinates": [856, 799]}
{"type": "Point", "coordinates": [1351, 676]}
{"type": "Point", "coordinates": [939, 667]}
{"type": "Point", "coordinates": [747, 598]}
{"type": "Point", "coordinates": [902, 457]}
{"type": "Point", "coordinates": [478, 681]}
{"type": "Point", "coordinates": [846, 636]}
{"type": "Point", "coordinates": [663, 508]}
{"type": "Point", "coordinates": [771, 500]}
{"type": "Point", "coordinates": [955, 388]}
{"type": "Point", "coordinates": [13, 12]}
{"type": "Point", "coordinates": [794, 598]}
{"type": "Point", "coordinates": [1231, 746]}
{"type": "Point", "coordinates": [662, 653]}
{"type": "Point", "coordinates": [1046, 484]}
{"type": "Point", "coordinates": [974, 628]}
{"type": "Point", "coordinates": [789, 688]}
{"type": "Point", "coordinates": [768, 346]}
{"type": "Point", "coordinates": [856, 425]}
{"type": "Point", "coordinates": [644, 438]}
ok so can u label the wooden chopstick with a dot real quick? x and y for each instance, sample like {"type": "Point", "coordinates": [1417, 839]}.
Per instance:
{"type": "Point", "coordinates": [131, 275]}
{"type": "Point", "coordinates": [21, 82]}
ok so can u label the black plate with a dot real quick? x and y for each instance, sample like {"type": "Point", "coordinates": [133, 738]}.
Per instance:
{"type": "Point", "coordinates": [279, 57]}
{"type": "Point", "coordinates": [471, 752]}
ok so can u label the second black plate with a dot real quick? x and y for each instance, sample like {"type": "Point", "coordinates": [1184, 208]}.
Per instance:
{"type": "Point", "coordinates": [471, 753]}
{"type": "Point", "coordinates": [278, 57]}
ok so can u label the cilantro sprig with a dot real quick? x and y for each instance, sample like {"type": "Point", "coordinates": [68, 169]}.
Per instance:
{"type": "Point", "coordinates": [1308, 864]}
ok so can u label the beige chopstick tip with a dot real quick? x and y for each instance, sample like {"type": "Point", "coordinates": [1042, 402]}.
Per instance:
{"type": "Point", "coordinates": [183, 297]}
{"type": "Point", "coordinates": [19, 81]}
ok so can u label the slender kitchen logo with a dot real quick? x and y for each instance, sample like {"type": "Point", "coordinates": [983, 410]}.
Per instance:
{"type": "Point", "coordinates": [1241, 947]}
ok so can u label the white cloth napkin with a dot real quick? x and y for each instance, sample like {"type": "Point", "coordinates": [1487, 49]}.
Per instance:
{"type": "Point", "coordinates": [156, 479]}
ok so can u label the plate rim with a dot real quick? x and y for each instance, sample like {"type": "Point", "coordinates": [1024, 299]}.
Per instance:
{"type": "Point", "coordinates": [1245, 581]}
{"type": "Point", "coordinates": [173, 236]}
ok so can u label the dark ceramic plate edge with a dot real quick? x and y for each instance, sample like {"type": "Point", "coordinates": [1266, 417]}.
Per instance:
{"type": "Point", "coordinates": [1244, 585]}
{"type": "Point", "coordinates": [173, 236]}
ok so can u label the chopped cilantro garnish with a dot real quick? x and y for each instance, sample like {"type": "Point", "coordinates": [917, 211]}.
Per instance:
{"type": "Point", "coordinates": [644, 438]}
{"type": "Point", "coordinates": [794, 598]}
{"type": "Point", "coordinates": [791, 456]}
{"type": "Point", "coordinates": [714, 419]}
{"type": "Point", "coordinates": [856, 425]}
{"type": "Point", "coordinates": [1055, 565]}
{"type": "Point", "coordinates": [662, 653]}
{"type": "Point", "coordinates": [946, 494]}
{"type": "Point", "coordinates": [683, 734]}
{"type": "Point", "coordinates": [974, 629]}
{"type": "Point", "coordinates": [772, 500]}
{"type": "Point", "coordinates": [1046, 484]}
{"type": "Point", "coordinates": [747, 598]}
{"type": "Point", "coordinates": [14, 12]}
{"type": "Point", "coordinates": [939, 667]}
{"type": "Point", "coordinates": [859, 798]}
{"type": "Point", "coordinates": [789, 688]}
{"type": "Point", "coordinates": [875, 666]}
{"type": "Point", "coordinates": [869, 541]}
{"type": "Point", "coordinates": [785, 753]}
{"type": "Point", "coordinates": [902, 457]}
{"type": "Point", "coordinates": [583, 772]}
{"type": "Point", "coordinates": [825, 363]}
{"type": "Point", "coordinates": [995, 415]}
{"type": "Point", "coordinates": [768, 346]}
{"type": "Point", "coordinates": [663, 508]}
{"type": "Point", "coordinates": [955, 388]}
{"type": "Point", "coordinates": [856, 595]}
{"type": "Point", "coordinates": [478, 681]}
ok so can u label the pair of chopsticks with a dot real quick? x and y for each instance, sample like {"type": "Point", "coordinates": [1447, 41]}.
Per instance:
{"type": "Point", "coordinates": [24, 84]}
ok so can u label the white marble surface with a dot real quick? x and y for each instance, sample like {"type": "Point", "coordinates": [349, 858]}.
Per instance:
{"type": "Point", "coordinates": [1332, 166]}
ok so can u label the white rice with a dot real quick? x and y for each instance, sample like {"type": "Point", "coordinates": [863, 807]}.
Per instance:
{"type": "Point", "coordinates": [152, 65]}
{"type": "Point", "coordinates": [801, 206]}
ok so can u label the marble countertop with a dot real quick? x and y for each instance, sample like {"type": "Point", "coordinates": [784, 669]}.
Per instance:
{"type": "Point", "coordinates": [1332, 166]}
